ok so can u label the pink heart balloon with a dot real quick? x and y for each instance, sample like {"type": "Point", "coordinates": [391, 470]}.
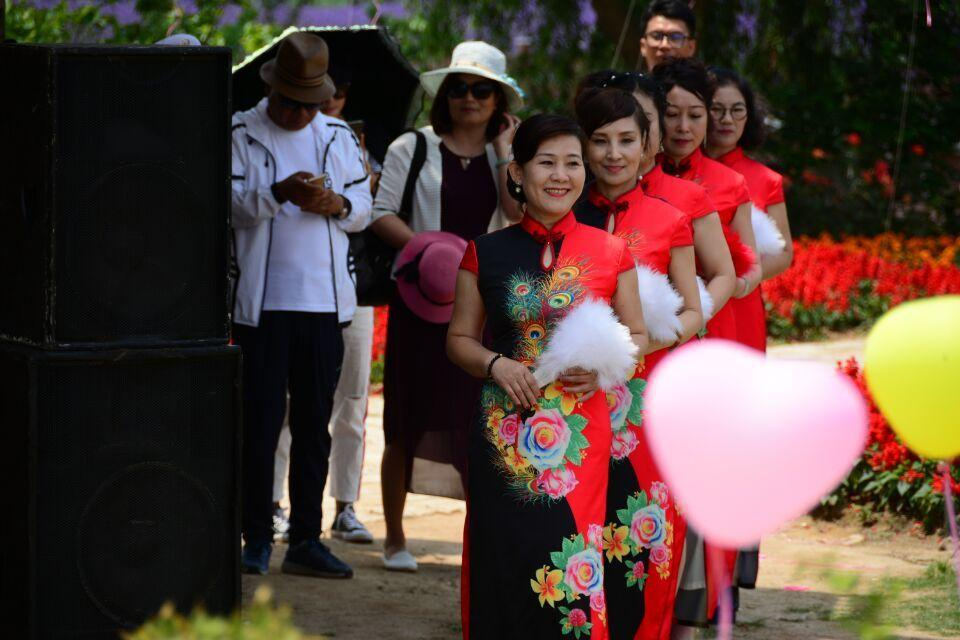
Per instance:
{"type": "Point", "coordinates": [747, 443]}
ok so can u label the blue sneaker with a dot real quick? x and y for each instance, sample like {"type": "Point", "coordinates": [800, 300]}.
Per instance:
{"type": "Point", "coordinates": [313, 558]}
{"type": "Point", "coordinates": [255, 558]}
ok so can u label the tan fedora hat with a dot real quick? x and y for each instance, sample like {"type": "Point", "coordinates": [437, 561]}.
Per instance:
{"type": "Point", "coordinates": [299, 71]}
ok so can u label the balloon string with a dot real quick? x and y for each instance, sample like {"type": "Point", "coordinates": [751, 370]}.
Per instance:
{"type": "Point", "coordinates": [952, 519]}
{"type": "Point", "coordinates": [725, 616]}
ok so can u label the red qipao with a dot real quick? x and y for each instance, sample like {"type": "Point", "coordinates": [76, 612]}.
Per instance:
{"type": "Point", "coordinates": [727, 190]}
{"type": "Point", "coordinates": [766, 189]}
{"type": "Point", "coordinates": [537, 481]}
{"type": "Point", "coordinates": [644, 533]}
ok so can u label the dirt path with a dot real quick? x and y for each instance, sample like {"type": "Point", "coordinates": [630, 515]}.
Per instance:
{"type": "Point", "coordinates": [793, 600]}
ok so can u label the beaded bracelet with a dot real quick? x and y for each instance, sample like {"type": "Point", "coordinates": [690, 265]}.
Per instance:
{"type": "Point", "coordinates": [490, 366]}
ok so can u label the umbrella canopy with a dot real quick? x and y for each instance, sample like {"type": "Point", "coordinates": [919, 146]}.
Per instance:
{"type": "Point", "coordinates": [385, 88]}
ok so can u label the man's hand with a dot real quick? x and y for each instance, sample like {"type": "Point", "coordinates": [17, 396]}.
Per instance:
{"type": "Point", "coordinates": [310, 197]}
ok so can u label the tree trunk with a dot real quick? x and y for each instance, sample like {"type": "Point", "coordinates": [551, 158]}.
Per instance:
{"type": "Point", "coordinates": [611, 17]}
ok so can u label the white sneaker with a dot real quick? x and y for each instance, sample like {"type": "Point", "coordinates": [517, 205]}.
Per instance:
{"type": "Point", "coordinates": [281, 525]}
{"type": "Point", "coordinates": [349, 529]}
{"type": "Point", "coordinates": [402, 560]}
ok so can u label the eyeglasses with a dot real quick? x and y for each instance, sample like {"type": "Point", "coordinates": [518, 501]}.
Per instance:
{"type": "Point", "coordinates": [479, 90]}
{"type": "Point", "coordinates": [737, 112]}
{"type": "Point", "coordinates": [676, 39]}
{"type": "Point", "coordinates": [293, 105]}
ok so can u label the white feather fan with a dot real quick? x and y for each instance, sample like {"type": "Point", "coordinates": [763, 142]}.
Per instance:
{"type": "Point", "coordinates": [706, 300]}
{"type": "Point", "coordinates": [770, 241]}
{"type": "Point", "coordinates": [661, 304]}
{"type": "Point", "coordinates": [589, 337]}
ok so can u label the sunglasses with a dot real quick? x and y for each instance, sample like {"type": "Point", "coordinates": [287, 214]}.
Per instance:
{"type": "Point", "coordinates": [293, 105]}
{"type": "Point", "coordinates": [479, 90]}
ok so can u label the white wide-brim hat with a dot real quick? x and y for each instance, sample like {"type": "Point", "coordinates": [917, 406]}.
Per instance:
{"type": "Point", "coordinates": [480, 59]}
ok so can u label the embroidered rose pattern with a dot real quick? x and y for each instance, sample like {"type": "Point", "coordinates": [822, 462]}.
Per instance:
{"type": "Point", "coordinates": [576, 575]}
{"type": "Point", "coordinates": [644, 526]}
{"type": "Point", "coordinates": [539, 454]}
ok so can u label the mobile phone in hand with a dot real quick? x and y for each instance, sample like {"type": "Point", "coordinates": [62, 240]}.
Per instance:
{"type": "Point", "coordinates": [322, 180]}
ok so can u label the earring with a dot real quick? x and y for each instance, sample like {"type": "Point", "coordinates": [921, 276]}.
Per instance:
{"type": "Point", "coordinates": [517, 189]}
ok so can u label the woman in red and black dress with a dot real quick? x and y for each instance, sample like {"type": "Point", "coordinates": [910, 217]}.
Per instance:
{"type": "Point", "coordinates": [644, 533]}
{"type": "Point", "coordinates": [736, 125]}
{"type": "Point", "coordinates": [689, 91]}
{"type": "Point", "coordinates": [538, 459]}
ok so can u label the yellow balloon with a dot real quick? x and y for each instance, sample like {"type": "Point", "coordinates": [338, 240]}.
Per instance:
{"type": "Point", "coordinates": [912, 366]}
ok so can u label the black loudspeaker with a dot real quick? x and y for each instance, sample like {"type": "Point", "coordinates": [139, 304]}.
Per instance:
{"type": "Point", "coordinates": [121, 487]}
{"type": "Point", "coordinates": [114, 194]}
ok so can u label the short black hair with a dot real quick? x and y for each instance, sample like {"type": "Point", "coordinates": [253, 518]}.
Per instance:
{"type": "Point", "coordinates": [687, 73]}
{"type": "Point", "coordinates": [755, 130]}
{"type": "Point", "coordinates": [532, 133]}
{"type": "Point", "coordinates": [673, 9]}
{"type": "Point", "coordinates": [440, 117]}
{"type": "Point", "coordinates": [629, 81]}
{"type": "Point", "coordinates": [597, 107]}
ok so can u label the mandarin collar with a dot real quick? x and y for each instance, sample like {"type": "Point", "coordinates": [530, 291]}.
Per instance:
{"type": "Point", "coordinates": [686, 167]}
{"type": "Point", "coordinates": [731, 157]}
{"type": "Point", "coordinates": [599, 200]}
{"type": "Point", "coordinates": [542, 235]}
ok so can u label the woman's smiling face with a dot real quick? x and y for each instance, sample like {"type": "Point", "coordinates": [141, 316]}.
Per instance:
{"type": "Point", "coordinates": [615, 152]}
{"type": "Point", "coordinates": [553, 179]}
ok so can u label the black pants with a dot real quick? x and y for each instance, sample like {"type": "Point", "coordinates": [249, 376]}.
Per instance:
{"type": "Point", "coordinates": [302, 352]}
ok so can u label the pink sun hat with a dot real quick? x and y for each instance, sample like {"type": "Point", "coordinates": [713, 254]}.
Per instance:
{"type": "Point", "coordinates": [426, 273]}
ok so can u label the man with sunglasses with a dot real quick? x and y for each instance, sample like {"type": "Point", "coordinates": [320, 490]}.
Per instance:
{"type": "Point", "coordinates": [668, 32]}
{"type": "Point", "coordinates": [299, 185]}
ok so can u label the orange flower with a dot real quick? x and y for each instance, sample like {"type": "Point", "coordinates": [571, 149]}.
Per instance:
{"type": "Point", "coordinates": [615, 542]}
{"type": "Point", "coordinates": [818, 153]}
{"type": "Point", "coordinates": [546, 586]}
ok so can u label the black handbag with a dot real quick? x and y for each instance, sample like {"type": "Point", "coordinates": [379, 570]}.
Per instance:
{"type": "Point", "coordinates": [371, 259]}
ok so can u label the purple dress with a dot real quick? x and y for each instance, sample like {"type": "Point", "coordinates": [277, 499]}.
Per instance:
{"type": "Point", "coordinates": [425, 395]}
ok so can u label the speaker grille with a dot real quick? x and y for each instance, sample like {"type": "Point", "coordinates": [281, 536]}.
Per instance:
{"type": "Point", "coordinates": [136, 486]}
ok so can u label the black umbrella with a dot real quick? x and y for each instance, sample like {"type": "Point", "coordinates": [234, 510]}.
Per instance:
{"type": "Point", "coordinates": [385, 88]}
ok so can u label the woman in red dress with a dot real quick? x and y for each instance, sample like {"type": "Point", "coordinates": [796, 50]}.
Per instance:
{"type": "Point", "coordinates": [714, 264]}
{"type": "Point", "coordinates": [644, 534]}
{"type": "Point", "coordinates": [689, 91]}
{"type": "Point", "coordinates": [736, 125]}
{"type": "Point", "coordinates": [538, 460]}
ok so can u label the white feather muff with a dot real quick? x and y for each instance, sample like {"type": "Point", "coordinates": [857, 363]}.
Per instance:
{"type": "Point", "coordinates": [661, 304]}
{"type": "Point", "coordinates": [589, 337]}
{"type": "Point", "coordinates": [706, 300]}
{"type": "Point", "coordinates": [770, 241]}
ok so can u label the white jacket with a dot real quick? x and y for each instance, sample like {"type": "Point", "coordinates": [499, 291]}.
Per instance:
{"type": "Point", "coordinates": [254, 207]}
{"type": "Point", "coordinates": [426, 198]}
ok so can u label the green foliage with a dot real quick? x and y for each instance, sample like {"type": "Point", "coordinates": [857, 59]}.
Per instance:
{"type": "Point", "coordinates": [814, 322]}
{"type": "Point", "coordinates": [89, 24]}
{"type": "Point", "coordinates": [260, 621]}
{"type": "Point", "coordinates": [873, 610]}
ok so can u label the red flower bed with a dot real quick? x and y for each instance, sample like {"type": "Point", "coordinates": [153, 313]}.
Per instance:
{"type": "Point", "coordinates": [888, 476]}
{"type": "Point", "coordinates": [841, 285]}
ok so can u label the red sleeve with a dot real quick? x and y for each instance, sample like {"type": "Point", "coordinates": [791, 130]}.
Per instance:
{"type": "Point", "coordinates": [625, 263]}
{"type": "Point", "coordinates": [702, 205]}
{"type": "Point", "coordinates": [469, 261]}
{"type": "Point", "coordinates": [742, 193]}
{"type": "Point", "coordinates": [775, 193]}
{"type": "Point", "coordinates": [682, 232]}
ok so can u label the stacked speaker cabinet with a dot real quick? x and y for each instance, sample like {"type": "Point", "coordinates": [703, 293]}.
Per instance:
{"type": "Point", "coordinates": [119, 396]}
